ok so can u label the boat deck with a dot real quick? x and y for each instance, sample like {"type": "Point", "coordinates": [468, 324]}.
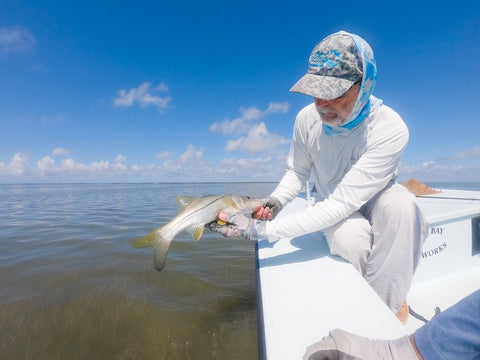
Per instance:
{"type": "Point", "coordinates": [304, 291]}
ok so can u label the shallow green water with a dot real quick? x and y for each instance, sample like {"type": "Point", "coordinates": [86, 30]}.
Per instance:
{"type": "Point", "coordinates": [72, 287]}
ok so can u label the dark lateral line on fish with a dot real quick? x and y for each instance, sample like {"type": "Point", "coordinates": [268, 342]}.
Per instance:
{"type": "Point", "coordinates": [210, 203]}
{"type": "Point", "coordinates": [214, 201]}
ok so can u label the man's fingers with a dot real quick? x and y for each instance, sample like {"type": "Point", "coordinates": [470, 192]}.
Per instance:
{"type": "Point", "coordinates": [262, 214]}
{"type": "Point", "coordinates": [257, 214]}
{"type": "Point", "coordinates": [222, 217]}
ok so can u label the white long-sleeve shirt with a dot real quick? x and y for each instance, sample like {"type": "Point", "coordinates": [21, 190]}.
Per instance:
{"type": "Point", "coordinates": [348, 168]}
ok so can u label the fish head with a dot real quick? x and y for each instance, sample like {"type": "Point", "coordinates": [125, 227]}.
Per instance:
{"type": "Point", "coordinates": [246, 203]}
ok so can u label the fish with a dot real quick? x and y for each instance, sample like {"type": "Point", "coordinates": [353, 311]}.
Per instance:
{"type": "Point", "coordinates": [193, 214]}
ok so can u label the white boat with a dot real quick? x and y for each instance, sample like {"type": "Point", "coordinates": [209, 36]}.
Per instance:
{"type": "Point", "coordinates": [304, 292]}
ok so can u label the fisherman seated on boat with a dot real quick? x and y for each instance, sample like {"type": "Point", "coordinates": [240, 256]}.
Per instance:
{"type": "Point", "coordinates": [351, 144]}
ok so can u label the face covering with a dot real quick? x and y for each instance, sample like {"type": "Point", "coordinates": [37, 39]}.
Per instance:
{"type": "Point", "coordinates": [365, 102]}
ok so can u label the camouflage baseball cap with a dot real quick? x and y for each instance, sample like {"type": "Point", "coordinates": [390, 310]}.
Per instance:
{"type": "Point", "coordinates": [334, 66]}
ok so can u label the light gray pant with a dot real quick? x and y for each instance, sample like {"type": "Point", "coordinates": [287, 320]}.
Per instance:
{"type": "Point", "coordinates": [383, 240]}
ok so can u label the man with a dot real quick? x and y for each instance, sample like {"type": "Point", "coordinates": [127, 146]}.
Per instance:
{"type": "Point", "coordinates": [452, 334]}
{"type": "Point", "coordinates": [351, 143]}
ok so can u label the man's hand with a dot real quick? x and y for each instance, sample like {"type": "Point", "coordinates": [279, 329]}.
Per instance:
{"type": "Point", "coordinates": [238, 226]}
{"type": "Point", "coordinates": [341, 345]}
{"type": "Point", "coordinates": [269, 210]}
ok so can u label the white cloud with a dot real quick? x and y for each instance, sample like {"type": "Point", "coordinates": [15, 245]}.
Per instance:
{"type": "Point", "coordinates": [189, 166]}
{"type": "Point", "coordinates": [475, 152]}
{"type": "Point", "coordinates": [260, 168]}
{"type": "Point", "coordinates": [242, 124]}
{"type": "Point", "coordinates": [163, 155]}
{"type": "Point", "coordinates": [251, 113]}
{"type": "Point", "coordinates": [59, 151]}
{"type": "Point", "coordinates": [461, 166]}
{"type": "Point", "coordinates": [431, 171]}
{"type": "Point", "coordinates": [46, 166]}
{"type": "Point", "coordinates": [143, 95]}
{"type": "Point", "coordinates": [278, 108]}
{"type": "Point", "coordinates": [258, 139]}
{"type": "Point", "coordinates": [120, 159]}
{"type": "Point", "coordinates": [70, 166]}
{"type": "Point", "coordinates": [19, 165]}
{"type": "Point", "coordinates": [230, 127]}
{"type": "Point", "coordinates": [192, 165]}
{"type": "Point", "coordinates": [162, 87]}
{"type": "Point", "coordinates": [250, 132]}
{"type": "Point", "coordinates": [192, 156]}
{"type": "Point", "coordinates": [16, 40]}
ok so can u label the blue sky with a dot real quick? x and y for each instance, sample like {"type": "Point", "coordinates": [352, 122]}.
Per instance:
{"type": "Point", "coordinates": [199, 90]}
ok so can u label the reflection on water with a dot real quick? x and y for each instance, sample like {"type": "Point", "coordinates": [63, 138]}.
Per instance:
{"type": "Point", "coordinates": [73, 287]}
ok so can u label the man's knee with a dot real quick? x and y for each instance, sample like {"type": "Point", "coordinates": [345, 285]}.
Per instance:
{"type": "Point", "coordinates": [351, 239]}
{"type": "Point", "coordinates": [397, 202]}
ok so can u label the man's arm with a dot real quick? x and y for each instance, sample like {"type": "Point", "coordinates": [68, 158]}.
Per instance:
{"type": "Point", "coordinates": [299, 162]}
{"type": "Point", "coordinates": [369, 175]}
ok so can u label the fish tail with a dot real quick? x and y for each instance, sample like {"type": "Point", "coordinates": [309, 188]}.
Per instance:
{"type": "Point", "coordinates": [160, 250]}
{"type": "Point", "coordinates": [160, 246]}
{"type": "Point", "coordinates": [146, 241]}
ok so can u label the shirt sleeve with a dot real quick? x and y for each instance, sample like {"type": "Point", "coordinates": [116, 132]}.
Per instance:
{"type": "Point", "coordinates": [299, 162]}
{"type": "Point", "coordinates": [370, 174]}
{"type": "Point", "coordinates": [454, 333]}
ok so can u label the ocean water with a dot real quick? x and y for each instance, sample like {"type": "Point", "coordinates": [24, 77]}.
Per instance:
{"type": "Point", "coordinates": [72, 287]}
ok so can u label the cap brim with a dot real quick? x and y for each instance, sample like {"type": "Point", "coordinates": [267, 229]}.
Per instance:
{"type": "Point", "coordinates": [322, 87]}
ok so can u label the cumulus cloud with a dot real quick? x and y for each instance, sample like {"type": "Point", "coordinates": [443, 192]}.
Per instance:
{"type": "Point", "coordinates": [431, 171]}
{"type": "Point", "coordinates": [461, 166]}
{"type": "Point", "coordinates": [16, 40]}
{"type": "Point", "coordinates": [120, 159]}
{"type": "Point", "coordinates": [249, 131]}
{"type": "Point", "coordinates": [258, 139]}
{"type": "Point", "coordinates": [59, 151]}
{"type": "Point", "coordinates": [475, 152]}
{"type": "Point", "coordinates": [19, 164]}
{"type": "Point", "coordinates": [191, 165]}
{"type": "Point", "coordinates": [46, 166]}
{"type": "Point", "coordinates": [72, 167]}
{"type": "Point", "coordinates": [163, 155]}
{"type": "Point", "coordinates": [144, 95]}
{"type": "Point", "coordinates": [259, 168]}
{"type": "Point", "coordinates": [192, 156]}
{"type": "Point", "coordinates": [242, 124]}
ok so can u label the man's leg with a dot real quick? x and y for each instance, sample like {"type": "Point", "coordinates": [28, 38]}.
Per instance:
{"type": "Point", "coordinates": [399, 230]}
{"type": "Point", "coordinates": [351, 239]}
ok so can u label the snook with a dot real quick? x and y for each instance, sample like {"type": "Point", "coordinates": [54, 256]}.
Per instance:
{"type": "Point", "coordinates": [194, 214]}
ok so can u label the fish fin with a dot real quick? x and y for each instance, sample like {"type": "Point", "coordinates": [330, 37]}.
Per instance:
{"type": "Point", "coordinates": [183, 201]}
{"type": "Point", "coordinates": [146, 241]}
{"type": "Point", "coordinates": [160, 250]}
{"type": "Point", "coordinates": [191, 229]}
{"type": "Point", "coordinates": [198, 232]}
